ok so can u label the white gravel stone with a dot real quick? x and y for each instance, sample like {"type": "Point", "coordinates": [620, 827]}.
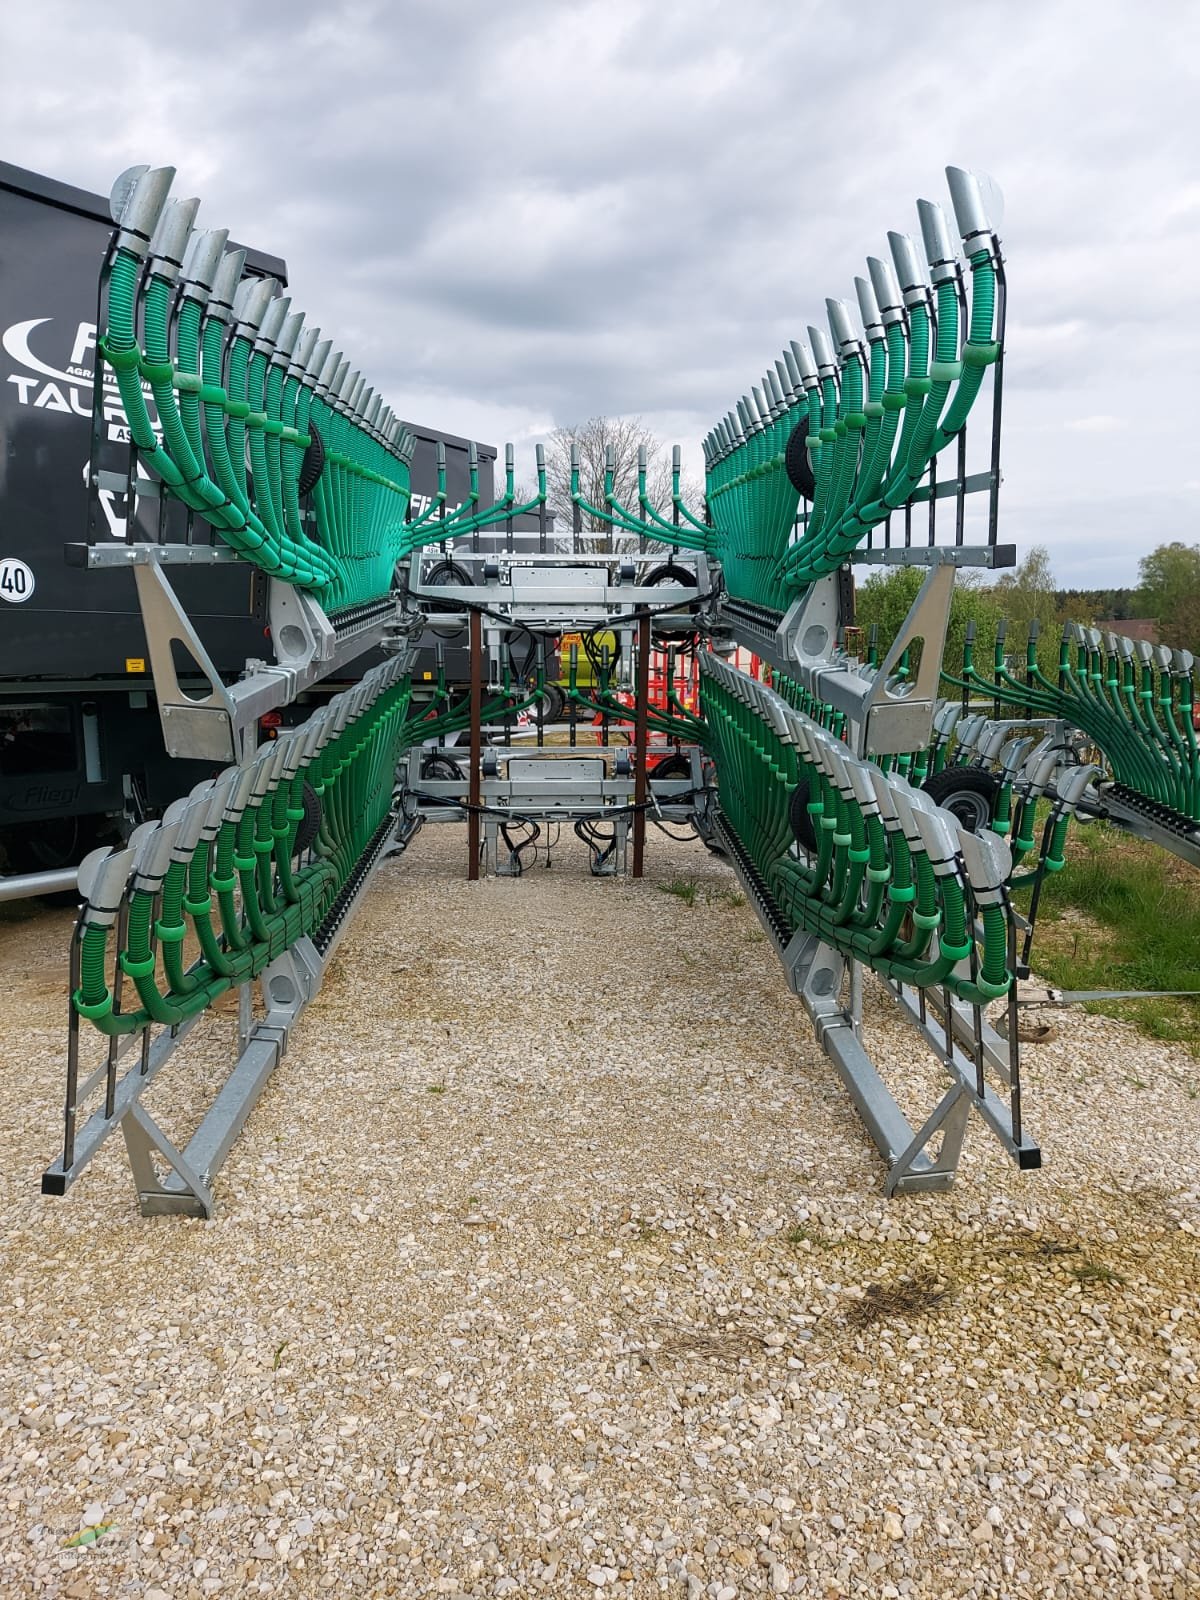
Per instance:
{"type": "Point", "coordinates": [577, 1322]}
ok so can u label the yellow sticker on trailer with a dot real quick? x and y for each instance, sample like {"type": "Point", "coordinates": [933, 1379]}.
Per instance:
{"type": "Point", "coordinates": [135, 664]}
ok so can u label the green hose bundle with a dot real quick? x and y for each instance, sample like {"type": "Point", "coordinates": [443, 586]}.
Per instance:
{"type": "Point", "coordinates": [890, 881]}
{"type": "Point", "coordinates": [262, 430]}
{"type": "Point", "coordinates": [1135, 702]}
{"type": "Point", "coordinates": [853, 424]}
{"type": "Point", "coordinates": [226, 877]}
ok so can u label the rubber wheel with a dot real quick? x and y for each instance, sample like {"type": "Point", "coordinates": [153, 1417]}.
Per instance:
{"type": "Point", "coordinates": [967, 793]}
{"type": "Point", "coordinates": [672, 572]}
{"type": "Point", "coordinates": [436, 766]}
{"type": "Point", "coordinates": [800, 817]}
{"type": "Point", "coordinates": [553, 705]}
{"type": "Point", "coordinates": [672, 766]}
{"type": "Point", "coordinates": [446, 571]}
{"type": "Point", "coordinates": [796, 463]}
{"type": "Point", "coordinates": [306, 828]}
{"type": "Point", "coordinates": [313, 464]}
{"type": "Point", "coordinates": [49, 846]}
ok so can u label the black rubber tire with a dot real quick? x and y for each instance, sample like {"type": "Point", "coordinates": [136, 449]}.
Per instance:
{"type": "Point", "coordinates": [49, 846]}
{"type": "Point", "coordinates": [800, 817]}
{"type": "Point", "coordinates": [446, 571]}
{"type": "Point", "coordinates": [796, 463]}
{"type": "Point", "coordinates": [672, 572]}
{"type": "Point", "coordinates": [967, 793]}
{"type": "Point", "coordinates": [554, 705]}
{"type": "Point", "coordinates": [306, 828]}
{"type": "Point", "coordinates": [313, 464]}
{"type": "Point", "coordinates": [437, 765]}
{"type": "Point", "coordinates": [45, 846]}
{"type": "Point", "coordinates": [676, 765]}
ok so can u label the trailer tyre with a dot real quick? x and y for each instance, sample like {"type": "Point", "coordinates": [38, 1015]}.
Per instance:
{"type": "Point", "coordinates": [800, 817]}
{"type": "Point", "coordinates": [967, 793]}
{"type": "Point", "coordinates": [553, 704]}
{"type": "Point", "coordinates": [306, 828]}
{"type": "Point", "coordinates": [796, 463]}
{"type": "Point", "coordinates": [676, 765]}
{"type": "Point", "coordinates": [313, 464]}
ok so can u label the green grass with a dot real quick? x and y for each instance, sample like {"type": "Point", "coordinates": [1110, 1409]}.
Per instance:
{"type": "Point", "coordinates": [1095, 1272]}
{"type": "Point", "coordinates": [726, 897]}
{"type": "Point", "coordinates": [1123, 915]}
{"type": "Point", "coordinates": [688, 890]}
{"type": "Point", "coordinates": [685, 889]}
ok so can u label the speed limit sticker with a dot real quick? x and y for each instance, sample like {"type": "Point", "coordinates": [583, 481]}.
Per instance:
{"type": "Point", "coordinates": [16, 580]}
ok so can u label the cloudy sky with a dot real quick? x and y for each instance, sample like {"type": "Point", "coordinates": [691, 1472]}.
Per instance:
{"type": "Point", "coordinates": [516, 215]}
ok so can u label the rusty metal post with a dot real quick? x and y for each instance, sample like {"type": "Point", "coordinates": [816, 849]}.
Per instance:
{"type": "Point", "coordinates": [640, 743]}
{"type": "Point", "coordinates": [473, 789]}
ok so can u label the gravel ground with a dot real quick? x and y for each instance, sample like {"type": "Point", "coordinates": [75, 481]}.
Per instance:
{"type": "Point", "coordinates": [553, 1261]}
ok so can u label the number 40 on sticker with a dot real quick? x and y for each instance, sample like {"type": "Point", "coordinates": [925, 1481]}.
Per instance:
{"type": "Point", "coordinates": [16, 580]}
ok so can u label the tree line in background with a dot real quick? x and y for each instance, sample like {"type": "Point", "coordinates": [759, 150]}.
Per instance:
{"type": "Point", "coordinates": [1167, 594]}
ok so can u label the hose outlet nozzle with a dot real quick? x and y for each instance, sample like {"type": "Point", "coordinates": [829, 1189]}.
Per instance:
{"type": "Point", "coordinates": [305, 346]}
{"type": "Point", "coordinates": [250, 304]}
{"type": "Point", "coordinates": [169, 241]}
{"type": "Point", "coordinates": [822, 351]}
{"type": "Point", "coordinates": [289, 334]}
{"type": "Point", "coordinates": [202, 261]}
{"type": "Point", "coordinates": [136, 203]}
{"type": "Point", "coordinates": [939, 245]}
{"type": "Point", "coordinates": [321, 357]}
{"type": "Point", "coordinates": [339, 379]}
{"type": "Point", "coordinates": [841, 324]}
{"type": "Point", "coordinates": [887, 290]}
{"type": "Point", "coordinates": [803, 357]}
{"type": "Point", "coordinates": [868, 309]}
{"type": "Point", "coordinates": [971, 207]}
{"type": "Point", "coordinates": [909, 268]}
{"type": "Point", "coordinates": [272, 323]}
{"type": "Point", "coordinates": [225, 283]}
{"type": "Point", "coordinates": [122, 189]}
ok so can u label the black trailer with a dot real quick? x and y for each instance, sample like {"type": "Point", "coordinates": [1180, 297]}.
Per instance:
{"type": "Point", "coordinates": [81, 749]}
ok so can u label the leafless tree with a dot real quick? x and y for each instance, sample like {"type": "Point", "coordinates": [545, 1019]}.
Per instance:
{"type": "Point", "coordinates": [624, 437]}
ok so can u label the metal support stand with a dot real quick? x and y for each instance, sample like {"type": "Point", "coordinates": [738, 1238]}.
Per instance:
{"type": "Point", "coordinates": [174, 1181]}
{"type": "Point", "coordinates": [476, 636]}
{"type": "Point", "coordinates": [819, 975]}
{"type": "Point", "coordinates": [640, 745]}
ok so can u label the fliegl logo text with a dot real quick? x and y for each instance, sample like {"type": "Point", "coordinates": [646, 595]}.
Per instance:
{"type": "Point", "coordinates": [52, 367]}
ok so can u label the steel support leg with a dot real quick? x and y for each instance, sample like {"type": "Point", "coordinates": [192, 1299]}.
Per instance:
{"type": "Point", "coordinates": [641, 738]}
{"type": "Point", "coordinates": [476, 636]}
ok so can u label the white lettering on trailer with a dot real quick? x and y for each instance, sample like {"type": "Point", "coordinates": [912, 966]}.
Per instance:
{"type": "Point", "coordinates": [16, 580]}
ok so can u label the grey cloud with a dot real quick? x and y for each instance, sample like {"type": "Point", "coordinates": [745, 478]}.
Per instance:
{"type": "Point", "coordinates": [529, 213]}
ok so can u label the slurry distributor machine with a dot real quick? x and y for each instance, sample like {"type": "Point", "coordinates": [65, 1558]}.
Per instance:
{"type": "Point", "coordinates": [82, 758]}
{"type": "Point", "coordinates": [251, 439]}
